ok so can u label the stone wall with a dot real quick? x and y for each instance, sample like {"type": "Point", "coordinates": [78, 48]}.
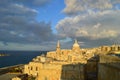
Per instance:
{"type": "Point", "coordinates": [109, 68]}
{"type": "Point", "coordinates": [73, 72]}
{"type": "Point", "coordinates": [91, 70]}
{"type": "Point", "coordinates": [50, 72]}
{"type": "Point", "coordinates": [108, 72]}
{"type": "Point", "coordinates": [109, 59]}
{"type": "Point", "coordinates": [61, 72]}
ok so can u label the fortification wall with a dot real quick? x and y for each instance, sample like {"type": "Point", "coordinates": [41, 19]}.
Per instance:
{"type": "Point", "coordinates": [108, 72]}
{"type": "Point", "coordinates": [109, 68]}
{"type": "Point", "coordinates": [61, 72]}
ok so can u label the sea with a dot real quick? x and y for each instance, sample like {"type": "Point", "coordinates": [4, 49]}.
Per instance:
{"type": "Point", "coordinates": [18, 57]}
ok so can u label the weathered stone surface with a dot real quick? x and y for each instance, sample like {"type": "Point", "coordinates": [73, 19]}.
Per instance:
{"type": "Point", "coordinates": [109, 68]}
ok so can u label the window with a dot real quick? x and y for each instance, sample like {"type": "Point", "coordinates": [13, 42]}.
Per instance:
{"type": "Point", "coordinates": [31, 68]}
{"type": "Point", "coordinates": [36, 68]}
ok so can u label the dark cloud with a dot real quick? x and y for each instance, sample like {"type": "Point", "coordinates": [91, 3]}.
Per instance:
{"type": "Point", "coordinates": [27, 2]}
{"type": "Point", "coordinates": [18, 23]}
{"type": "Point", "coordinates": [38, 3]}
{"type": "Point", "coordinates": [88, 43]}
{"type": "Point", "coordinates": [29, 33]}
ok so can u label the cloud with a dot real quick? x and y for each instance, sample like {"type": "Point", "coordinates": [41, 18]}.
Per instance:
{"type": "Point", "coordinates": [32, 47]}
{"type": "Point", "coordinates": [18, 24]}
{"type": "Point", "coordinates": [29, 33]}
{"type": "Point", "coordinates": [93, 22]}
{"type": "Point", "coordinates": [77, 6]}
{"type": "Point", "coordinates": [35, 3]}
{"type": "Point", "coordinates": [90, 28]}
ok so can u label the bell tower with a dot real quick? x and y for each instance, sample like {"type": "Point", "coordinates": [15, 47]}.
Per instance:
{"type": "Point", "coordinates": [58, 47]}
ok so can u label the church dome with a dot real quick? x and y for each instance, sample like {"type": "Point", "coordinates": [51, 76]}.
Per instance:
{"type": "Point", "coordinates": [76, 44]}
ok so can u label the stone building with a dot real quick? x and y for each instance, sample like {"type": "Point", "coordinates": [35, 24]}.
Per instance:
{"type": "Point", "coordinates": [32, 68]}
{"type": "Point", "coordinates": [73, 54]}
{"type": "Point", "coordinates": [67, 64]}
{"type": "Point", "coordinates": [110, 48]}
{"type": "Point", "coordinates": [16, 78]}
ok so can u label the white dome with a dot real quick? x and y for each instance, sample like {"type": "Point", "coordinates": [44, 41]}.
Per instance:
{"type": "Point", "coordinates": [76, 44]}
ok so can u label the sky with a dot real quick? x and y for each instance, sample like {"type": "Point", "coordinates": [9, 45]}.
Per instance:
{"type": "Point", "coordinates": [39, 24]}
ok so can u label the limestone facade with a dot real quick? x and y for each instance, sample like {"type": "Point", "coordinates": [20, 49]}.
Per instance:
{"type": "Point", "coordinates": [16, 78]}
{"type": "Point", "coordinates": [110, 48]}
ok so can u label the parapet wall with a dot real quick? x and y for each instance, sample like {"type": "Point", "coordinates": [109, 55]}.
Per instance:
{"type": "Point", "coordinates": [108, 59]}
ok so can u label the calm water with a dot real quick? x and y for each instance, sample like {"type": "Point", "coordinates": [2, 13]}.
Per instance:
{"type": "Point", "coordinates": [18, 57]}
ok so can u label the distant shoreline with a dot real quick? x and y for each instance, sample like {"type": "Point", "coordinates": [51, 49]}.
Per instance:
{"type": "Point", "coordinates": [17, 57]}
{"type": "Point", "coordinates": [4, 54]}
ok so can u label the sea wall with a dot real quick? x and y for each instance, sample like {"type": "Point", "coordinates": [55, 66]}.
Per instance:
{"type": "Point", "coordinates": [8, 69]}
